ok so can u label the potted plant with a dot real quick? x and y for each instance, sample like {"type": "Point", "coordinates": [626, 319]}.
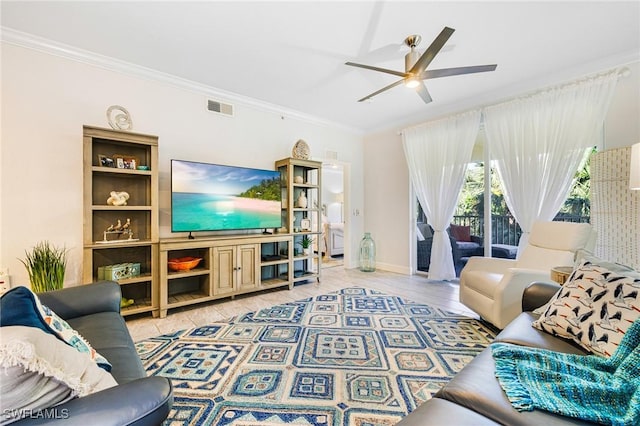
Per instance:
{"type": "Point", "coordinates": [46, 265]}
{"type": "Point", "coordinates": [305, 243]}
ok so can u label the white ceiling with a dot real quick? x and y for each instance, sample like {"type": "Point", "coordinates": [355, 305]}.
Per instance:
{"type": "Point", "coordinates": [291, 54]}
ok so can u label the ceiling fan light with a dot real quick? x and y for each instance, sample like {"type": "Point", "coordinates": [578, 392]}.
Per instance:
{"type": "Point", "coordinates": [412, 83]}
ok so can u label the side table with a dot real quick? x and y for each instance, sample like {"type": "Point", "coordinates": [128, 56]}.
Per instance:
{"type": "Point", "coordinates": [560, 274]}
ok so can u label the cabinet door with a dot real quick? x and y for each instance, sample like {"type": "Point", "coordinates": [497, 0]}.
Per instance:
{"type": "Point", "coordinates": [224, 269]}
{"type": "Point", "coordinates": [248, 266]}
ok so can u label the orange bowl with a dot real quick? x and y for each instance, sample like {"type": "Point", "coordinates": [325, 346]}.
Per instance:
{"type": "Point", "coordinates": [184, 263]}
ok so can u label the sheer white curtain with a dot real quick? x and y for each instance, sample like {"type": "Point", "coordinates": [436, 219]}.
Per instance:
{"type": "Point", "coordinates": [437, 154]}
{"type": "Point", "coordinates": [540, 141]}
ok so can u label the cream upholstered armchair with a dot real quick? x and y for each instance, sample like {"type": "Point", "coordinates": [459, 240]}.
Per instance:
{"type": "Point", "coordinates": [493, 287]}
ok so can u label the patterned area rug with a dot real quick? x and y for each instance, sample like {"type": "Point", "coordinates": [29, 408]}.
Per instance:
{"type": "Point", "coordinates": [356, 357]}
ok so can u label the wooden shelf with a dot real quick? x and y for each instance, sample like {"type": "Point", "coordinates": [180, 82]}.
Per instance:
{"type": "Point", "coordinates": [275, 262]}
{"type": "Point", "coordinates": [139, 279]}
{"type": "Point", "coordinates": [191, 273]}
{"type": "Point", "coordinates": [142, 210]}
{"type": "Point", "coordinates": [100, 169]}
{"type": "Point", "coordinates": [300, 209]}
{"type": "Point", "coordinates": [121, 208]}
{"type": "Point", "coordinates": [187, 298]}
{"type": "Point", "coordinates": [275, 282]}
{"type": "Point", "coordinates": [306, 276]}
{"type": "Point", "coordinates": [309, 172]}
{"type": "Point", "coordinates": [118, 244]}
{"type": "Point", "coordinates": [138, 307]}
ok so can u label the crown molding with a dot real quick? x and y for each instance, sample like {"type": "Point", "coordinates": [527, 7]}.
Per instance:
{"type": "Point", "coordinates": [41, 44]}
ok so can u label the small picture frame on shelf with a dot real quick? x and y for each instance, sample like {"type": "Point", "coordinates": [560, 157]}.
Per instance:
{"type": "Point", "coordinates": [126, 162]}
{"type": "Point", "coordinates": [131, 163]}
{"type": "Point", "coordinates": [105, 161]}
{"type": "Point", "coordinates": [305, 224]}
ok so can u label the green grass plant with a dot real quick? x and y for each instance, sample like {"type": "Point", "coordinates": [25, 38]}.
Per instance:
{"type": "Point", "coordinates": [305, 242]}
{"type": "Point", "coordinates": [46, 265]}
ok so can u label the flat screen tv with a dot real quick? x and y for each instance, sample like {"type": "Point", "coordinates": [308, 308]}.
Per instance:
{"type": "Point", "coordinates": [214, 197]}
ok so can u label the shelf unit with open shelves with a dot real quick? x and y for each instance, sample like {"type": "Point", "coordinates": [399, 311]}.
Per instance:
{"type": "Point", "coordinates": [301, 189]}
{"type": "Point", "coordinates": [125, 235]}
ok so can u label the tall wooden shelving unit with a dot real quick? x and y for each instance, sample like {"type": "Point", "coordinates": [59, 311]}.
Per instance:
{"type": "Point", "coordinates": [102, 249]}
{"type": "Point", "coordinates": [302, 177]}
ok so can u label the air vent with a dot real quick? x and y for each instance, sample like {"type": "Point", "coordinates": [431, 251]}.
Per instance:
{"type": "Point", "coordinates": [331, 155]}
{"type": "Point", "coordinates": [220, 107]}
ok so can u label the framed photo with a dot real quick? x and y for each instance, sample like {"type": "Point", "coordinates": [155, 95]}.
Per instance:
{"type": "Point", "coordinates": [105, 161]}
{"type": "Point", "coordinates": [305, 224]}
{"type": "Point", "coordinates": [126, 162]}
{"type": "Point", "coordinates": [130, 163]}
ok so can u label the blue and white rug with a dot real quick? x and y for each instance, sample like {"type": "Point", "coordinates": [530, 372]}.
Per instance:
{"type": "Point", "coordinates": [356, 357]}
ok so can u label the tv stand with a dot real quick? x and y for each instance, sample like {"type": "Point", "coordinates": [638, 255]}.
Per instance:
{"type": "Point", "coordinates": [191, 237]}
{"type": "Point", "coordinates": [231, 265]}
{"type": "Point", "coordinates": [265, 232]}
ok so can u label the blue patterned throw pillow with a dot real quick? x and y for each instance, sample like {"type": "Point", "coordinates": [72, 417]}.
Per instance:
{"type": "Point", "coordinates": [20, 306]}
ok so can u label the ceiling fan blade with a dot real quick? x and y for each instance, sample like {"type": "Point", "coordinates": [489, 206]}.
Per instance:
{"type": "Point", "coordinates": [392, 85]}
{"type": "Point", "coordinates": [369, 67]}
{"type": "Point", "coordinates": [424, 93]}
{"type": "Point", "coordinates": [431, 52]}
{"type": "Point", "coordinates": [446, 72]}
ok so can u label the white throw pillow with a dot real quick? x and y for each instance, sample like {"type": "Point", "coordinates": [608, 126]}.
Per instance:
{"type": "Point", "coordinates": [39, 371]}
{"type": "Point", "coordinates": [594, 308]}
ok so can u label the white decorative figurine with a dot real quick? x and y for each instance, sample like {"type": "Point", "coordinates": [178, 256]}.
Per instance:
{"type": "Point", "coordinates": [119, 118]}
{"type": "Point", "coordinates": [118, 198]}
{"type": "Point", "coordinates": [302, 201]}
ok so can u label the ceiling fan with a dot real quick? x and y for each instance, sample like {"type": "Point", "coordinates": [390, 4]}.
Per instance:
{"type": "Point", "coordinates": [416, 66]}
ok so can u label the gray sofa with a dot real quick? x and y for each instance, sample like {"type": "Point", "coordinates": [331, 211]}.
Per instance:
{"type": "Point", "coordinates": [94, 311]}
{"type": "Point", "coordinates": [474, 396]}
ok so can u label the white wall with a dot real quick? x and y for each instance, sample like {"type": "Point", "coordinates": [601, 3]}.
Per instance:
{"type": "Point", "coordinates": [46, 100]}
{"type": "Point", "coordinates": [387, 200]}
{"type": "Point", "coordinates": [387, 181]}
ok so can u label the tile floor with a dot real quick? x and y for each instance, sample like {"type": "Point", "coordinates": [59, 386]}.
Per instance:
{"type": "Point", "coordinates": [417, 288]}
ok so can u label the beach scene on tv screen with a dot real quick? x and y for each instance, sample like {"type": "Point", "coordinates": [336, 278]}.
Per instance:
{"type": "Point", "coordinates": [207, 197]}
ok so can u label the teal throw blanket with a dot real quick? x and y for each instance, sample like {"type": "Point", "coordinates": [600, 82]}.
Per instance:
{"type": "Point", "coordinates": [593, 388]}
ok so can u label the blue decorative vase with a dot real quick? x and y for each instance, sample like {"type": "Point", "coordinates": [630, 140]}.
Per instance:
{"type": "Point", "coordinates": [367, 253]}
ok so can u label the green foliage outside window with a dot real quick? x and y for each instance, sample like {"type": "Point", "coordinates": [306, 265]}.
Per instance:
{"type": "Point", "coordinates": [471, 201]}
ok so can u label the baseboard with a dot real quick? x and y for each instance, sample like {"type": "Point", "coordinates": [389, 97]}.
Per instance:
{"type": "Point", "coordinates": [398, 269]}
